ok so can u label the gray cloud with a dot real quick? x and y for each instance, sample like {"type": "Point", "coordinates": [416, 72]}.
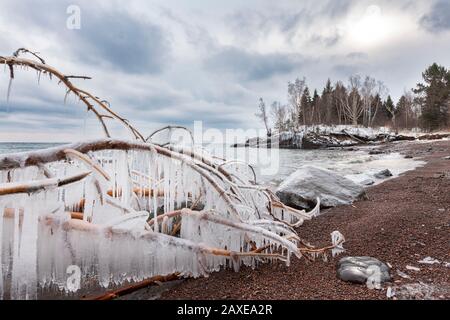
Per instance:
{"type": "Point", "coordinates": [108, 34]}
{"type": "Point", "coordinates": [327, 41]}
{"type": "Point", "coordinates": [259, 21]}
{"type": "Point", "coordinates": [126, 43]}
{"type": "Point", "coordinates": [343, 71]}
{"type": "Point", "coordinates": [438, 19]}
{"type": "Point", "coordinates": [357, 56]}
{"type": "Point", "coordinates": [202, 60]}
{"type": "Point", "coordinates": [335, 8]}
{"type": "Point", "coordinates": [253, 66]}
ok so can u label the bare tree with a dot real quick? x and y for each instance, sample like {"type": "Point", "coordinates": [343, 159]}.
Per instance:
{"type": "Point", "coordinates": [295, 92]}
{"type": "Point", "coordinates": [279, 114]}
{"type": "Point", "coordinates": [351, 103]}
{"type": "Point", "coordinates": [262, 115]}
{"type": "Point", "coordinates": [367, 95]}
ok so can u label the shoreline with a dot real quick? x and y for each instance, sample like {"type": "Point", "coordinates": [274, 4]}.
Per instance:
{"type": "Point", "coordinates": [403, 221]}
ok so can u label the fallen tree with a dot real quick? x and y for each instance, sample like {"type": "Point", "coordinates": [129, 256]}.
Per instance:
{"type": "Point", "coordinates": [126, 210]}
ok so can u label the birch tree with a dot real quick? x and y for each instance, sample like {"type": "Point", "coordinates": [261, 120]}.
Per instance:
{"type": "Point", "coordinates": [295, 92]}
{"type": "Point", "coordinates": [262, 115]}
{"type": "Point", "coordinates": [279, 114]}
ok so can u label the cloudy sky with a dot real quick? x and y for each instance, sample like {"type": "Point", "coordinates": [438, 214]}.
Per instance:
{"type": "Point", "coordinates": [174, 62]}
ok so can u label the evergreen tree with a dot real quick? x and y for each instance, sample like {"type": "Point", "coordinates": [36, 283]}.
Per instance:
{"type": "Point", "coordinates": [405, 115]}
{"type": "Point", "coordinates": [433, 97]}
{"type": "Point", "coordinates": [326, 103]}
{"type": "Point", "coordinates": [305, 103]}
{"type": "Point", "coordinates": [389, 108]}
{"type": "Point", "coordinates": [315, 112]}
{"type": "Point", "coordinates": [380, 117]}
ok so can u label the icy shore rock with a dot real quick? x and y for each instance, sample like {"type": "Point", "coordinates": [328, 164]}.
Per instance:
{"type": "Point", "coordinates": [363, 269]}
{"type": "Point", "coordinates": [383, 174]}
{"type": "Point", "coordinates": [302, 187]}
{"type": "Point", "coordinates": [367, 182]}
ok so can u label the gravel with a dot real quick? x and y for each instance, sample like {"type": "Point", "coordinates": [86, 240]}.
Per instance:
{"type": "Point", "coordinates": [400, 223]}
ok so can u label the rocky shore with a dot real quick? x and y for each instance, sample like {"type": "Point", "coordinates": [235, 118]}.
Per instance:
{"type": "Point", "coordinates": [404, 222]}
{"type": "Point", "coordinates": [320, 137]}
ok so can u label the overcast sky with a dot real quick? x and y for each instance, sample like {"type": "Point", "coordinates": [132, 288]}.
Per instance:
{"type": "Point", "coordinates": [174, 62]}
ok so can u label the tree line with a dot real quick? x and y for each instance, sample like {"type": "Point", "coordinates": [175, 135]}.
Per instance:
{"type": "Point", "coordinates": [362, 101]}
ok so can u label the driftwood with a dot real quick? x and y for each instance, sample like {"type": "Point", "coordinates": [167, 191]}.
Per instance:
{"type": "Point", "coordinates": [113, 294]}
{"type": "Point", "coordinates": [34, 186]}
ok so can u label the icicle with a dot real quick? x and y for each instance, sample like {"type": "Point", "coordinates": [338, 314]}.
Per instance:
{"type": "Point", "coordinates": [15, 278]}
{"type": "Point", "coordinates": [2, 209]}
{"type": "Point", "coordinates": [337, 240]}
{"type": "Point", "coordinates": [26, 272]}
{"type": "Point", "coordinates": [65, 96]}
{"type": "Point", "coordinates": [8, 93]}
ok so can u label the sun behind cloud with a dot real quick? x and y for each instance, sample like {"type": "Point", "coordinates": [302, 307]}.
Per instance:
{"type": "Point", "coordinates": [375, 27]}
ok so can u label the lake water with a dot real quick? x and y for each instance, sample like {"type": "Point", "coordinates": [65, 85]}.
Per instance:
{"type": "Point", "coordinates": [12, 147]}
{"type": "Point", "coordinates": [274, 165]}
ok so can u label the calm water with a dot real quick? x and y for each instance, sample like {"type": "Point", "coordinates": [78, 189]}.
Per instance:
{"type": "Point", "coordinates": [12, 147]}
{"type": "Point", "coordinates": [274, 165]}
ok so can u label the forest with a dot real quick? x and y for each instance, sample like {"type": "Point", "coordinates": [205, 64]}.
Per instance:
{"type": "Point", "coordinates": [363, 101]}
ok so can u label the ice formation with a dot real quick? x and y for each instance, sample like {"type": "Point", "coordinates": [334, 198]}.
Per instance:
{"type": "Point", "coordinates": [126, 210]}
{"type": "Point", "coordinates": [118, 215]}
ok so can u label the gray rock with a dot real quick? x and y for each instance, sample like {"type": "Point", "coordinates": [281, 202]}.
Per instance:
{"type": "Point", "coordinates": [302, 188]}
{"type": "Point", "coordinates": [367, 182]}
{"type": "Point", "coordinates": [372, 152]}
{"type": "Point", "coordinates": [359, 269]}
{"type": "Point", "coordinates": [383, 174]}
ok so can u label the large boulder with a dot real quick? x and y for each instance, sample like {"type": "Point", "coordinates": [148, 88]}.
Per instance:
{"type": "Point", "coordinates": [301, 189]}
{"type": "Point", "coordinates": [360, 269]}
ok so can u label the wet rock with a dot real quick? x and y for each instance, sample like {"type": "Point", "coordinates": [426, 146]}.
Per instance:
{"type": "Point", "coordinates": [383, 174]}
{"type": "Point", "coordinates": [312, 140]}
{"type": "Point", "coordinates": [434, 136]}
{"type": "Point", "coordinates": [360, 269]}
{"type": "Point", "coordinates": [372, 152]}
{"type": "Point", "coordinates": [400, 137]}
{"type": "Point", "coordinates": [302, 188]}
{"type": "Point", "coordinates": [367, 182]}
{"type": "Point", "coordinates": [408, 156]}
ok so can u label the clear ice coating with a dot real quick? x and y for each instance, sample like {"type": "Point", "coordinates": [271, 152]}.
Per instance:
{"type": "Point", "coordinates": [125, 222]}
